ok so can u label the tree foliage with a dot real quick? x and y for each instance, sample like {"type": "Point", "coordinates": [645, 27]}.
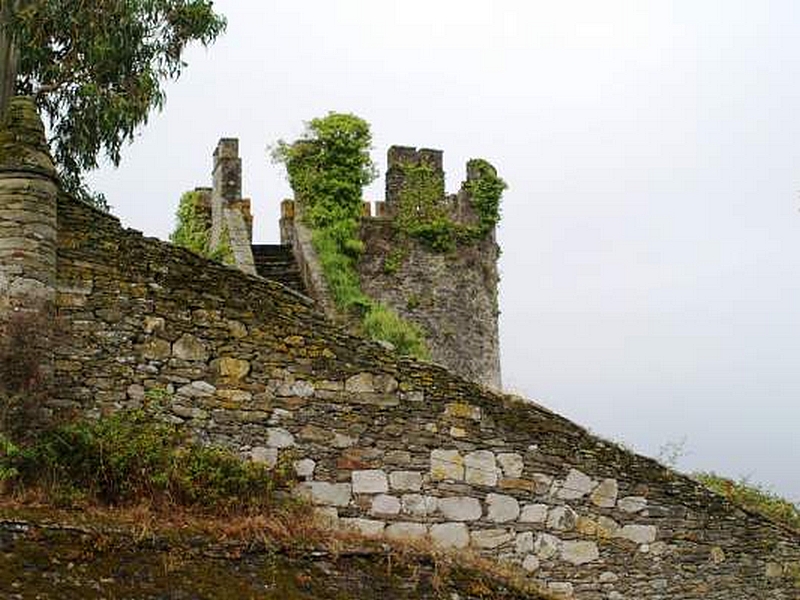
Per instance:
{"type": "Point", "coordinates": [96, 67]}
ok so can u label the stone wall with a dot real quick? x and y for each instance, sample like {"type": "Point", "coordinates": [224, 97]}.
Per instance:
{"type": "Point", "coordinates": [388, 446]}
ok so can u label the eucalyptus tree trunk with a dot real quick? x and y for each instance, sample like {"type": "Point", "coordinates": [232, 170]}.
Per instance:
{"type": "Point", "coordinates": [9, 53]}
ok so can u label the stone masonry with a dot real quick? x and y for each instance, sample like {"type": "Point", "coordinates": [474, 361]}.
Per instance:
{"type": "Point", "coordinates": [387, 446]}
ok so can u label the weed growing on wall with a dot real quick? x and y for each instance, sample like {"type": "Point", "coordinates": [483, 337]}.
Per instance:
{"type": "Point", "coordinates": [754, 498]}
{"type": "Point", "coordinates": [328, 169]}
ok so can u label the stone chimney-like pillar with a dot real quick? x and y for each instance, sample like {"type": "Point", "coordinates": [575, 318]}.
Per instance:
{"type": "Point", "coordinates": [28, 198]}
{"type": "Point", "coordinates": [231, 219]}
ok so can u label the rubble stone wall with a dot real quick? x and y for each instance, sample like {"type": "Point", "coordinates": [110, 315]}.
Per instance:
{"type": "Point", "coordinates": [388, 446]}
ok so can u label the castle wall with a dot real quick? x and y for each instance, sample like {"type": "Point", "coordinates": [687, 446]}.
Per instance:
{"type": "Point", "coordinates": [390, 446]}
{"type": "Point", "coordinates": [385, 445]}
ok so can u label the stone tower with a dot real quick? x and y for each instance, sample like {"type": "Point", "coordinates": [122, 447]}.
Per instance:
{"type": "Point", "coordinates": [28, 199]}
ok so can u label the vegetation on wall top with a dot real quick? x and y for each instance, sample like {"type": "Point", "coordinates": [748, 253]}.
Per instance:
{"type": "Point", "coordinates": [193, 230]}
{"type": "Point", "coordinates": [328, 168]}
{"type": "Point", "coordinates": [424, 213]}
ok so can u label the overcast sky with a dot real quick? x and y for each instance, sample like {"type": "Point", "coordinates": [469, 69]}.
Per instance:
{"type": "Point", "coordinates": [651, 235]}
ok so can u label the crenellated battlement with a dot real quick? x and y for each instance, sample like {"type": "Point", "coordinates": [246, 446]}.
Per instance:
{"type": "Point", "coordinates": [425, 257]}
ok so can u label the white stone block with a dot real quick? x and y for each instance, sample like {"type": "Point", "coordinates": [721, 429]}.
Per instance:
{"type": "Point", "coordinates": [546, 546]}
{"type": "Point", "coordinates": [304, 468]}
{"type": "Point", "coordinates": [383, 505]}
{"type": "Point", "coordinates": [265, 456]}
{"type": "Point", "coordinates": [447, 464]}
{"type": "Point", "coordinates": [481, 468]}
{"type": "Point", "coordinates": [562, 518]}
{"type": "Point", "coordinates": [450, 535]}
{"type": "Point", "coordinates": [370, 481]}
{"type": "Point", "coordinates": [531, 563]}
{"type": "Point", "coordinates": [632, 504]}
{"type": "Point", "coordinates": [460, 508]}
{"type": "Point", "coordinates": [418, 505]}
{"type": "Point", "coordinates": [605, 494]}
{"type": "Point", "coordinates": [579, 552]}
{"type": "Point", "coordinates": [638, 534]}
{"type": "Point", "coordinates": [524, 542]}
{"type": "Point", "coordinates": [405, 481]}
{"type": "Point", "coordinates": [324, 493]}
{"type": "Point", "coordinates": [365, 527]}
{"type": "Point", "coordinates": [534, 513]}
{"type": "Point", "coordinates": [278, 437]}
{"type": "Point", "coordinates": [576, 485]}
{"type": "Point", "coordinates": [511, 464]}
{"type": "Point", "coordinates": [501, 508]}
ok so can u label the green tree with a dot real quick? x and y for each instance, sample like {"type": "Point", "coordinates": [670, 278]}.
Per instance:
{"type": "Point", "coordinates": [96, 67]}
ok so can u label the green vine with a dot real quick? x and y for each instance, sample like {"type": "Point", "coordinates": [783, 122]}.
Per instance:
{"type": "Point", "coordinates": [423, 213]}
{"type": "Point", "coordinates": [193, 224]}
{"type": "Point", "coordinates": [328, 169]}
{"type": "Point", "coordinates": [193, 230]}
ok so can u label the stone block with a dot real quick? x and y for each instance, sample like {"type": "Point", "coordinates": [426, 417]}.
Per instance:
{"type": "Point", "coordinates": [329, 494]}
{"type": "Point", "coordinates": [605, 494]}
{"type": "Point", "coordinates": [511, 464]}
{"type": "Point", "coordinates": [278, 437]}
{"type": "Point", "coordinates": [501, 508]}
{"type": "Point", "coordinates": [562, 518]}
{"type": "Point", "coordinates": [632, 504]}
{"type": "Point", "coordinates": [266, 456]}
{"type": "Point", "coordinates": [417, 505]}
{"type": "Point", "coordinates": [576, 485]}
{"type": "Point", "coordinates": [524, 542]}
{"type": "Point", "coordinates": [462, 410]}
{"type": "Point", "coordinates": [370, 481]}
{"type": "Point", "coordinates": [304, 468]}
{"type": "Point", "coordinates": [530, 563]}
{"type": "Point", "coordinates": [405, 481]}
{"type": "Point", "coordinates": [384, 505]}
{"type": "Point", "coordinates": [447, 464]}
{"type": "Point", "coordinates": [534, 513]}
{"type": "Point", "coordinates": [450, 535]}
{"type": "Point", "coordinates": [190, 348]}
{"type": "Point", "coordinates": [546, 546]}
{"type": "Point", "coordinates": [480, 468]}
{"type": "Point", "coordinates": [638, 534]}
{"type": "Point", "coordinates": [363, 383]}
{"type": "Point", "coordinates": [460, 508]}
{"type": "Point", "coordinates": [232, 368]}
{"type": "Point", "coordinates": [579, 552]}
{"type": "Point", "coordinates": [490, 539]}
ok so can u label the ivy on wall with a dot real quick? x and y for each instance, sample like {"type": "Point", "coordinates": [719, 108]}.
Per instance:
{"type": "Point", "coordinates": [423, 212]}
{"type": "Point", "coordinates": [328, 168]}
{"type": "Point", "coordinates": [193, 230]}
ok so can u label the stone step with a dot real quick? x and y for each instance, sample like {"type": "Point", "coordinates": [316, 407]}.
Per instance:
{"type": "Point", "coordinates": [276, 262]}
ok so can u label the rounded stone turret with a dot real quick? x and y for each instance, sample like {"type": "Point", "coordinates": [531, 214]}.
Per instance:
{"type": "Point", "coordinates": [28, 198]}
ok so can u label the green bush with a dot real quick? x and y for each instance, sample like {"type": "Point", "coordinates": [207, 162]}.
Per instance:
{"type": "Point", "coordinates": [128, 457]}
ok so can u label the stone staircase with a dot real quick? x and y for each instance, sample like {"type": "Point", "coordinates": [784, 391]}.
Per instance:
{"type": "Point", "coordinates": [276, 262]}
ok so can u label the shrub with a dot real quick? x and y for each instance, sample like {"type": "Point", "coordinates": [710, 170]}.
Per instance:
{"type": "Point", "coordinates": [128, 457]}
